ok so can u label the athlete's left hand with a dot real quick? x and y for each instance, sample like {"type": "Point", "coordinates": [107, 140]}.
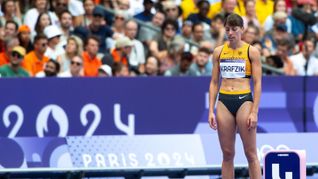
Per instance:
{"type": "Point", "coordinates": [252, 121]}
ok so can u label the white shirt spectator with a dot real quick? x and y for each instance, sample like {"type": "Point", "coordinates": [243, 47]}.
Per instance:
{"type": "Point", "coordinates": [32, 15]}
{"type": "Point", "coordinates": [54, 53]}
{"type": "Point", "coordinates": [40, 74]}
{"type": "Point", "coordinates": [137, 55]}
{"type": "Point", "coordinates": [299, 63]}
{"type": "Point", "coordinates": [76, 8]}
{"type": "Point", "coordinates": [65, 74]}
{"type": "Point", "coordinates": [136, 6]}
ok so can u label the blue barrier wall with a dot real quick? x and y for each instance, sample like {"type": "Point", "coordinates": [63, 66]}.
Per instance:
{"type": "Point", "coordinates": [112, 106]}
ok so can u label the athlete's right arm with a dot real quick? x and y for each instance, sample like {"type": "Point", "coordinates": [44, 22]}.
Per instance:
{"type": "Point", "coordinates": [214, 86]}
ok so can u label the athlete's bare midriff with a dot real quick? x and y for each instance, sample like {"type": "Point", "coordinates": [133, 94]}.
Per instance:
{"type": "Point", "coordinates": [235, 84]}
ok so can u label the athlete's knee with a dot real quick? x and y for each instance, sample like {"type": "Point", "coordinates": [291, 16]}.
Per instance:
{"type": "Point", "coordinates": [251, 155]}
{"type": "Point", "coordinates": [228, 154]}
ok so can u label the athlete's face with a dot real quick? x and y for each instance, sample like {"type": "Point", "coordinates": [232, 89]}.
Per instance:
{"type": "Point", "coordinates": [233, 33]}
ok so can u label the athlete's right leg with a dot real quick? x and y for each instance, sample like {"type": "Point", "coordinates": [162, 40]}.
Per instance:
{"type": "Point", "coordinates": [226, 128]}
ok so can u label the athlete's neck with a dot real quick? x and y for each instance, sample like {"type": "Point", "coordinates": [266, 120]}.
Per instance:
{"type": "Point", "coordinates": [236, 44]}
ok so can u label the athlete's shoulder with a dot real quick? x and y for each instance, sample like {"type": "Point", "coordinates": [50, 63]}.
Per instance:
{"type": "Point", "coordinates": [253, 52]}
{"type": "Point", "coordinates": [218, 50]}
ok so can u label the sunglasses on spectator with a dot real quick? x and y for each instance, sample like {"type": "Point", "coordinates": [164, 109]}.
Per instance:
{"type": "Point", "coordinates": [127, 46]}
{"type": "Point", "coordinates": [76, 63]}
{"type": "Point", "coordinates": [171, 9]}
{"type": "Point", "coordinates": [16, 54]}
{"type": "Point", "coordinates": [119, 18]}
{"type": "Point", "coordinates": [170, 28]}
{"type": "Point", "coordinates": [61, 4]}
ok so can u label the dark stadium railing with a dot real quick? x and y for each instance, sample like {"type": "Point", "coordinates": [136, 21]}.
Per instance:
{"type": "Point", "coordinates": [129, 173]}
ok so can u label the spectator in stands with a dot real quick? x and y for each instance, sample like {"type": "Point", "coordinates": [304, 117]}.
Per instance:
{"type": "Point", "coordinates": [124, 5]}
{"type": "Point", "coordinates": [201, 16]}
{"type": "Point", "coordinates": [75, 7]}
{"type": "Point", "coordinates": [306, 16]}
{"type": "Point", "coordinates": [146, 15]}
{"type": "Point", "coordinates": [97, 28]}
{"type": "Point", "coordinates": [274, 61]}
{"type": "Point", "coordinates": [217, 30]}
{"type": "Point", "coordinates": [108, 4]}
{"type": "Point", "coordinates": [201, 66]}
{"type": "Point", "coordinates": [283, 49]}
{"type": "Point", "coordinates": [75, 69]}
{"type": "Point", "coordinates": [181, 69]}
{"type": "Point", "coordinates": [74, 47]}
{"type": "Point", "coordinates": [2, 36]}
{"type": "Point", "coordinates": [66, 27]}
{"type": "Point", "coordinates": [105, 71]}
{"type": "Point", "coordinates": [197, 33]}
{"type": "Point", "coordinates": [11, 11]}
{"type": "Point", "coordinates": [35, 60]}
{"type": "Point", "coordinates": [120, 70]}
{"type": "Point", "coordinates": [58, 6]}
{"type": "Point", "coordinates": [9, 43]}
{"type": "Point", "coordinates": [119, 23]}
{"type": "Point", "coordinates": [122, 51]}
{"type": "Point", "coordinates": [263, 9]}
{"type": "Point", "coordinates": [250, 18]}
{"type": "Point", "coordinates": [159, 48]}
{"type": "Point", "coordinates": [277, 33]}
{"type": "Point", "coordinates": [251, 34]}
{"type": "Point", "coordinates": [186, 31]}
{"type": "Point", "coordinates": [53, 34]}
{"type": "Point", "coordinates": [24, 36]}
{"type": "Point", "coordinates": [172, 11]}
{"type": "Point", "coordinates": [305, 62]}
{"type": "Point", "coordinates": [186, 34]}
{"type": "Point", "coordinates": [108, 16]}
{"type": "Point", "coordinates": [90, 59]}
{"type": "Point", "coordinates": [279, 6]}
{"type": "Point", "coordinates": [89, 6]}
{"type": "Point", "coordinates": [226, 7]}
{"type": "Point", "coordinates": [152, 66]}
{"type": "Point", "coordinates": [51, 69]}
{"type": "Point", "coordinates": [40, 6]}
{"type": "Point", "coordinates": [188, 7]}
{"type": "Point", "coordinates": [14, 69]}
{"type": "Point", "coordinates": [42, 21]}
{"type": "Point", "coordinates": [146, 35]}
{"type": "Point", "coordinates": [137, 55]}
{"type": "Point", "coordinates": [11, 28]}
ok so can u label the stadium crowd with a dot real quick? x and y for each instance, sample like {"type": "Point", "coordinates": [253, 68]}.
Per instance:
{"type": "Point", "coordinates": [73, 38]}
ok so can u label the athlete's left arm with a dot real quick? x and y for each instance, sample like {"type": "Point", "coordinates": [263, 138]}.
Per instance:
{"type": "Point", "coordinates": [257, 80]}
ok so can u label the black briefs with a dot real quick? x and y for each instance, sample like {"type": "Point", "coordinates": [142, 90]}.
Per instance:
{"type": "Point", "coordinates": [234, 101]}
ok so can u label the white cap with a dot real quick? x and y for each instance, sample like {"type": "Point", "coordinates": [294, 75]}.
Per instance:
{"type": "Point", "coordinates": [107, 69]}
{"type": "Point", "coordinates": [123, 41]}
{"type": "Point", "coordinates": [52, 31]}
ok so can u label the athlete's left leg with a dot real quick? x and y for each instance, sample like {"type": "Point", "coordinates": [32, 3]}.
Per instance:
{"type": "Point", "coordinates": [249, 140]}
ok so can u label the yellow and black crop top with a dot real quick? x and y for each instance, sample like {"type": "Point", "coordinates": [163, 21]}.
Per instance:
{"type": "Point", "coordinates": [235, 63]}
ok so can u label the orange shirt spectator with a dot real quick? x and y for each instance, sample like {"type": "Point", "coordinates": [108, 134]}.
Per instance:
{"type": "Point", "coordinates": [123, 47]}
{"type": "Point", "coordinates": [35, 60]}
{"type": "Point", "coordinates": [116, 54]}
{"type": "Point", "coordinates": [90, 61]}
{"type": "Point", "coordinates": [32, 64]}
{"type": "Point", "coordinates": [4, 59]}
{"type": "Point", "coordinates": [9, 43]}
{"type": "Point", "coordinates": [91, 65]}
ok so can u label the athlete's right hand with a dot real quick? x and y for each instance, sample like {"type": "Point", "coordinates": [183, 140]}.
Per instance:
{"type": "Point", "coordinates": [212, 121]}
